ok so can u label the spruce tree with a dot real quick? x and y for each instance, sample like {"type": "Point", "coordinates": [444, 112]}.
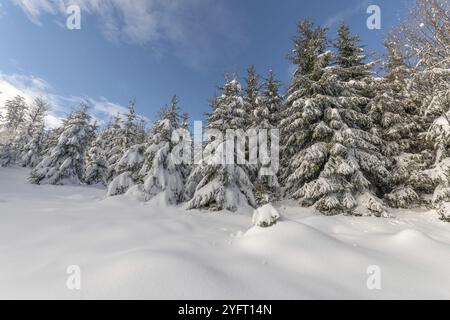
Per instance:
{"type": "Point", "coordinates": [350, 56]}
{"type": "Point", "coordinates": [184, 123]}
{"type": "Point", "coordinates": [123, 135]}
{"type": "Point", "coordinates": [113, 147]}
{"type": "Point", "coordinates": [15, 113]}
{"type": "Point", "coordinates": [251, 94]}
{"type": "Point", "coordinates": [96, 164]}
{"type": "Point", "coordinates": [215, 184]}
{"type": "Point", "coordinates": [64, 164]}
{"type": "Point", "coordinates": [124, 157]}
{"type": "Point", "coordinates": [32, 144]}
{"type": "Point", "coordinates": [6, 154]}
{"type": "Point", "coordinates": [13, 131]}
{"type": "Point", "coordinates": [141, 131]}
{"type": "Point", "coordinates": [399, 124]}
{"type": "Point", "coordinates": [153, 168]}
{"type": "Point", "coordinates": [127, 170]}
{"type": "Point", "coordinates": [333, 161]}
{"type": "Point", "coordinates": [425, 43]}
{"type": "Point", "coordinates": [130, 129]}
{"type": "Point", "coordinates": [432, 88]}
{"type": "Point", "coordinates": [51, 139]}
{"type": "Point", "coordinates": [266, 117]}
{"type": "Point", "coordinates": [164, 171]}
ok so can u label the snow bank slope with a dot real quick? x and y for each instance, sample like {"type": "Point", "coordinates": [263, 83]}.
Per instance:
{"type": "Point", "coordinates": [128, 249]}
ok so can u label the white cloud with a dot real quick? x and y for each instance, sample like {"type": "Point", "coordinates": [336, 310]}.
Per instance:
{"type": "Point", "coordinates": [190, 29]}
{"type": "Point", "coordinates": [2, 10]}
{"type": "Point", "coordinates": [34, 9]}
{"type": "Point", "coordinates": [30, 86]}
{"type": "Point", "coordinates": [347, 12]}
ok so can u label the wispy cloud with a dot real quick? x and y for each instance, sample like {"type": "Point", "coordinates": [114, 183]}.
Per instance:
{"type": "Point", "coordinates": [2, 10]}
{"type": "Point", "coordinates": [192, 30]}
{"type": "Point", "coordinates": [347, 12]}
{"type": "Point", "coordinates": [30, 86]}
{"type": "Point", "coordinates": [34, 9]}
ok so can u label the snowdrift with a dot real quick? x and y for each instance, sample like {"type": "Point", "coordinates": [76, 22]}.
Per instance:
{"type": "Point", "coordinates": [130, 249]}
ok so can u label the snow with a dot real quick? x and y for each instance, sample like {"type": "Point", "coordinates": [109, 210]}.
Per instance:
{"type": "Point", "coordinates": [131, 249]}
{"type": "Point", "coordinates": [265, 216]}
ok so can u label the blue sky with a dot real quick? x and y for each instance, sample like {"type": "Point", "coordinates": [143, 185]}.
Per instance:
{"type": "Point", "coordinates": [152, 49]}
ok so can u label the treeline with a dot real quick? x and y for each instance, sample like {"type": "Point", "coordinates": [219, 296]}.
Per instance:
{"type": "Point", "coordinates": [351, 142]}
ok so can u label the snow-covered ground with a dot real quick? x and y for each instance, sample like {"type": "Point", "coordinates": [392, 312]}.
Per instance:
{"type": "Point", "coordinates": [129, 249]}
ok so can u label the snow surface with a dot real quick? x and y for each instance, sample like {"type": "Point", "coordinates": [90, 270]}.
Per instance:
{"type": "Point", "coordinates": [130, 249]}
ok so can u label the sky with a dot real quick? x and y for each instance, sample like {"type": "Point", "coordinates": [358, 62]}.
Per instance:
{"type": "Point", "coordinates": [149, 50]}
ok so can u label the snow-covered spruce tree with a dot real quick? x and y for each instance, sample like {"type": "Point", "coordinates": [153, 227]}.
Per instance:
{"type": "Point", "coordinates": [130, 128]}
{"type": "Point", "coordinates": [16, 110]}
{"type": "Point", "coordinates": [142, 134]}
{"type": "Point", "coordinates": [123, 134]}
{"type": "Point", "coordinates": [350, 57]}
{"type": "Point", "coordinates": [184, 122]}
{"type": "Point", "coordinates": [425, 41]}
{"type": "Point", "coordinates": [269, 104]}
{"type": "Point", "coordinates": [187, 143]}
{"type": "Point", "coordinates": [333, 160]}
{"type": "Point", "coordinates": [309, 46]}
{"type": "Point", "coordinates": [127, 170]}
{"type": "Point", "coordinates": [124, 156]}
{"type": "Point", "coordinates": [214, 184]}
{"type": "Point", "coordinates": [12, 131]}
{"type": "Point", "coordinates": [266, 117]}
{"type": "Point", "coordinates": [164, 171]}
{"type": "Point", "coordinates": [154, 168]}
{"type": "Point", "coordinates": [7, 154]}
{"type": "Point", "coordinates": [33, 141]}
{"type": "Point", "coordinates": [113, 147]}
{"type": "Point", "coordinates": [51, 139]}
{"type": "Point", "coordinates": [2, 129]}
{"type": "Point", "coordinates": [398, 123]}
{"type": "Point", "coordinates": [4, 153]}
{"type": "Point", "coordinates": [96, 165]}
{"type": "Point", "coordinates": [65, 162]}
{"type": "Point", "coordinates": [251, 94]}
{"type": "Point", "coordinates": [433, 84]}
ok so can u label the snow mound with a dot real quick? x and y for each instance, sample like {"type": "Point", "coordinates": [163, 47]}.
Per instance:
{"type": "Point", "coordinates": [410, 236]}
{"type": "Point", "coordinates": [265, 216]}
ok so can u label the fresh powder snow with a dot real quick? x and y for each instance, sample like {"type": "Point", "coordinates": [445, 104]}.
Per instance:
{"type": "Point", "coordinates": [130, 249]}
